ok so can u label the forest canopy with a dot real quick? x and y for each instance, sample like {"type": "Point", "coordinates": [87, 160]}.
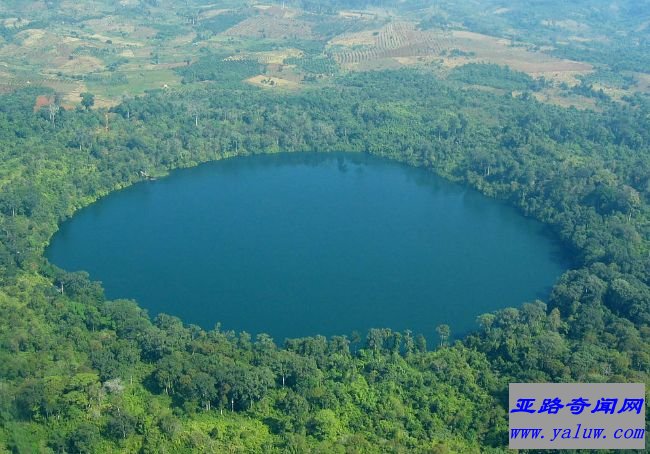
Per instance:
{"type": "Point", "coordinates": [166, 85]}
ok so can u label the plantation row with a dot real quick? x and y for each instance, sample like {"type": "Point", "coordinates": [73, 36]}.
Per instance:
{"type": "Point", "coordinates": [395, 41]}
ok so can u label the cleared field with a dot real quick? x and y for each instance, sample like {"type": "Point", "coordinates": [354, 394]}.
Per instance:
{"type": "Point", "coordinates": [395, 40]}
{"type": "Point", "coordinates": [127, 54]}
{"type": "Point", "coordinates": [114, 40]}
{"type": "Point", "coordinates": [362, 38]}
{"type": "Point", "coordinates": [278, 11]}
{"type": "Point", "coordinates": [34, 50]}
{"type": "Point", "coordinates": [32, 37]}
{"type": "Point", "coordinates": [210, 13]}
{"type": "Point", "coordinates": [75, 7]}
{"type": "Point", "coordinates": [104, 51]}
{"type": "Point", "coordinates": [495, 50]}
{"type": "Point", "coordinates": [404, 44]}
{"type": "Point", "coordinates": [642, 82]}
{"type": "Point", "coordinates": [273, 82]}
{"type": "Point", "coordinates": [567, 24]}
{"type": "Point", "coordinates": [357, 15]}
{"type": "Point", "coordinates": [137, 82]}
{"type": "Point", "coordinates": [117, 26]}
{"type": "Point", "coordinates": [276, 57]}
{"type": "Point", "coordinates": [81, 65]}
{"type": "Point", "coordinates": [72, 96]}
{"type": "Point", "coordinates": [273, 27]}
{"type": "Point", "coordinates": [17, 22]}
{"type": "Point", "coordinates": [555, 97]}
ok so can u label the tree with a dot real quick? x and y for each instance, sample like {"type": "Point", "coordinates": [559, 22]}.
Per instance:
{"type": "Point", "coordinates": [195, 109]}
{"type": "Point", "coordinates": [355, 339]}
{"type": "Point", "coordinates": [203, 387]}
{"type": "Point", "coordinates": [443, 333]}
{"type": "Point", "coordinates": [125, 106]}
{"type": "Point", "coordinates": [120, 425]}
{"type": "Point", "coordinates": [169, 371]}
{"type": "Point", "coordinates": [87, 100]}
{"type": "Point", "coordinates": [409, 343]}
{"type": "Point", "coordinates": [53, 110]}
{"type": "Point", "coordinates": [325, 425]}
{"type": "Point", "coordinates": [84, 439]}
{"type": "Point", "coordinates": [421, 343]}
{"type": "Point", "coordinates": [486, 321]}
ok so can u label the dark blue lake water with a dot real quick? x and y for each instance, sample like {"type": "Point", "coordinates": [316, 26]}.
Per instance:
{"type": "Point", "coordinates": [304, 244]}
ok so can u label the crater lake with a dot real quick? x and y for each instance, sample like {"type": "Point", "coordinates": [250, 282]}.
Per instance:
{"type": "Point", "coordinates": [300, 244]}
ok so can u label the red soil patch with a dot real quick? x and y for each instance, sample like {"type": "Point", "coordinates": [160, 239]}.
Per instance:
{"type": "Point", "coordinates": [41, 101]}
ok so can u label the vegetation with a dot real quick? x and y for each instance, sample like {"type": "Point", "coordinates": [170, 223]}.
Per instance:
{"type": "Point", "coordinates": [221, 69]}
{"type": "Point", "coordinates": [314, 65]}
{"type": "Point", "coordinates": [221, 22]}
{"type": "Point", "coordinates": [583, 30]}
{"type": "Point", "coordinates": [495, 76]}
{"type": "Point", "coordinates": [79, 373]}
{"type": "Point", "coordinates": [81, 370]}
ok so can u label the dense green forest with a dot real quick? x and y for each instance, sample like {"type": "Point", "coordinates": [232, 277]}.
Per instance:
{"type": "Point", "coordinates": [82, 374]}
{"type": "Point", "coordinates": [95, 97]}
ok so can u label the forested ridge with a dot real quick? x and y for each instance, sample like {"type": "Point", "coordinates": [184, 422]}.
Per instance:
{"type": "Point", "coordinates": [79, 373]}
